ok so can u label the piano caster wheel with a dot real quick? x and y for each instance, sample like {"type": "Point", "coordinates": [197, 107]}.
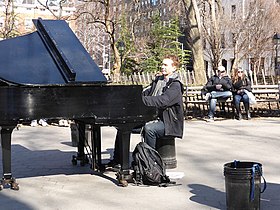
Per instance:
{"type": "Point", "coordinates": [11, 182]}
{"type": "Point", "coordinates": [122, 179]}
{"type": "Point", "coordinates": [74, 160]}
{"type": "Point", "coordinates": [14, 186]}
{"type": "Point", "coordinates": [123, 183]}
{"type": "Point", "coordinates": [83, 160]}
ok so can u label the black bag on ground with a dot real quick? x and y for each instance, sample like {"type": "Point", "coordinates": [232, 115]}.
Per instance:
{"type": "Point", "coordinates": [148, 166]}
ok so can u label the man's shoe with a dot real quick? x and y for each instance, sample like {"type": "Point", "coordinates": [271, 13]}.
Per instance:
{"type": "Point", "coordinates": [207, 96]}
{"type": "Point", "coordinates": [239, 117]}
{"type": "Point", "coordinates": [210, 119]}
{"type": "Point", "coordinates": [248, 117]}
{"type": "Point", "coordinates": [33, 123]}
{"type": "Point", "coordinates": [43, 122]}
{"type": "Point", "coordinates": [63, 123]}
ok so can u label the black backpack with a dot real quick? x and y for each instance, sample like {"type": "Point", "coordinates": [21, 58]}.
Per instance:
{"type": "Point", "coordinates": [148, 166]}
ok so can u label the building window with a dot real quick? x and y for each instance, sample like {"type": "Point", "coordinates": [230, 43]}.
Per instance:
{"type": "Point", "coordinates": [53, 3]}
{"type": "Point", "coordinates": [233, 39]}
{"type": "Point", "coordinates": [28, 2]}
{"type": "Point", "coordinates": [233, 11]}
{"type": "Point", "coordinates": [28, 24]}
{"type": "Point", "coordinates": [153, 2]}
{"type": "Point", "coordinates": [223, 41]}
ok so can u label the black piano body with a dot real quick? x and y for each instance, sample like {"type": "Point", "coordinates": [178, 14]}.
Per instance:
{"type": "Point", "coordinates": [49, 74]}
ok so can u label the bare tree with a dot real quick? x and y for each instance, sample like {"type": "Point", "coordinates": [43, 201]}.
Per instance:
{"type": "Point", "coordinates": [9, 28]}
{"type": "Point", "coordinates": [211, 11]}
{"type": "Point", "coordinates": [261, 27]}
{"type": "Point", "coordinates": [106, 16]}
{"type": "Point", "coordinates": [51, 7]}
{"type": "Point", "coordinates": [94, 39]}
{"type": "Point", "coordinates": [192, 27]}
{"type": "Point", "coordinates": [251, 33]}
{"type": "Point", "coordinates": [139, 42]}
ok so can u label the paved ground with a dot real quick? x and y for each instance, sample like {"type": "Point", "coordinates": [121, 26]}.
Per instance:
{"type": "Point", "coordinates": [42, 165]}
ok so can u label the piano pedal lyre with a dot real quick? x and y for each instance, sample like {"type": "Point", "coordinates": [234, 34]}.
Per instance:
{"type": "Point", "coordinates": [9, 181]}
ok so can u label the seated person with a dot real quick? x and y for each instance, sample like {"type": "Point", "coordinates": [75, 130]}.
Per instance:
{"type": "Point", "coordinates": [165, 93]}
{"type": "Point", "coordinates": [241, 83]}
{"type": "Point", "coordinates": [218, 87]}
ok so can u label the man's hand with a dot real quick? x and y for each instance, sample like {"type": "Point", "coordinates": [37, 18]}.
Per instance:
{"type": "Point", "coordinates": [218, 87]}
{"type": "Point", "coordinates": [240, 91]}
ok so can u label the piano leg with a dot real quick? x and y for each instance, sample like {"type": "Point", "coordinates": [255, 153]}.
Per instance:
{"type": "Point", "coordinates": [96, 148]}
{"type": "Point", "coordinates": [6, 134]}
{"type": "Point", "coordinates": [124, 133]}
{"type": "Point", "coordinates": [81, 156]}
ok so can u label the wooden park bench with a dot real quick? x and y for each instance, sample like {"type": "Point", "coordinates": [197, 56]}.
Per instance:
{"type": "Point", "coordinates": [267, 97]}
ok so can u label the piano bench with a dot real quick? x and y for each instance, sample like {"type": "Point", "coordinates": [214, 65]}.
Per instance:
{"type": "Point", "coordinates": [166, 148]}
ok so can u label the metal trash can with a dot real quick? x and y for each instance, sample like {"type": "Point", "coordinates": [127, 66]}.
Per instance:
{"type": "Point", "coordinates": [243, 185]}
{"type": "Point", "coordinates": [166, 148]}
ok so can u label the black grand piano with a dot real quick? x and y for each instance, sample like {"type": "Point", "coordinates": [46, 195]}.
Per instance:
{"type": "Point", "coordinates": [49, 74]}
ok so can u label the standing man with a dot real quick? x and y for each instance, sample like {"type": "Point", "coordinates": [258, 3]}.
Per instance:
{"type": "Point", "coordinates": [165, 93]}
{"type": "Point", "coordinates": [218, 87]}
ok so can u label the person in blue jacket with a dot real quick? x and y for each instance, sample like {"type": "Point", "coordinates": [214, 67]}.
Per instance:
{"type": "Point", "coordinates": [165, 93]}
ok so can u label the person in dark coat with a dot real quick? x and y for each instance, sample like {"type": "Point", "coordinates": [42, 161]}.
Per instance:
{"type": "Point", "coordinates": [218, 87]}
{"type": "Point", "coordinates": [165, 93]}
{"type": "Point", "coordinates": [241, 83]}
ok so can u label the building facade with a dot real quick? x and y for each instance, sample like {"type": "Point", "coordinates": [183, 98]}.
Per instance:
{"type": "Point", "coordinates": [19, 13]}
{"type": "Point", "coordinates": [247, 33]}
{"type": "Point", "coordinates": [97, 41]}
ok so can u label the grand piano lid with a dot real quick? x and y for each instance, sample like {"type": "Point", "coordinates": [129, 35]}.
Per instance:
{"type": "Point", "coordinates": [52, 55]}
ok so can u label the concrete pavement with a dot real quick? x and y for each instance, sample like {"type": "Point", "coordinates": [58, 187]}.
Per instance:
{"type": "Point", "coordinates": [41, 163]}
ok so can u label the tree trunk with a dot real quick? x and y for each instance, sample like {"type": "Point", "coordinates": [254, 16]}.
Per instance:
{"type": "Point", "coordinates": [193, 35]}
